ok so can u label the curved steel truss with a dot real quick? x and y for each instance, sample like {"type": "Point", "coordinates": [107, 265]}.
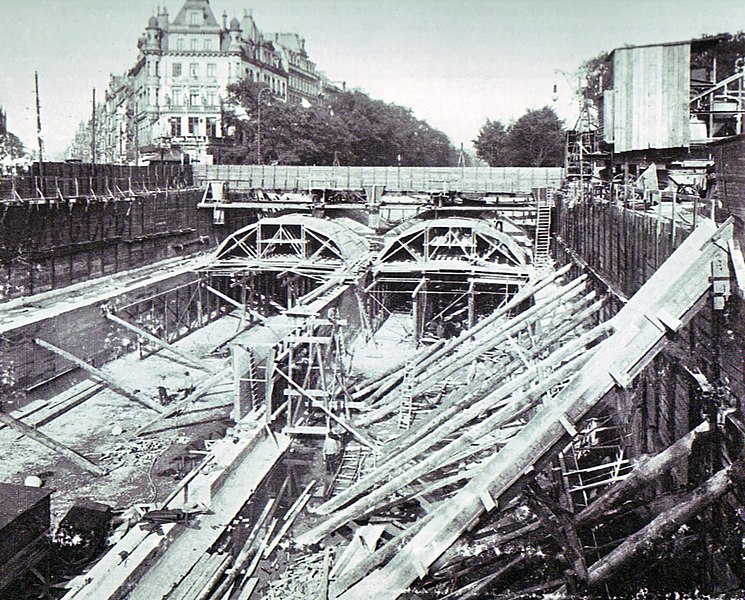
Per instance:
{"type": "Point", "coordinates": [296, 242]}
{"type": "Point", "coordinates": [451, 245]}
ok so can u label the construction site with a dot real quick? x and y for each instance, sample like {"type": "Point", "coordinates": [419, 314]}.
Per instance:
{"type": "Point", "coordinates": [234, 382]}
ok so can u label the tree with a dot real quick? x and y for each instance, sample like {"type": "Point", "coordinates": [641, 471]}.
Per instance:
{"type": "Point", "coordinates": [491, 144]}
{"type": "Point", "coordinates": [13, 154]}
{"type": "Point", "coordinates": [535, 140]}
{"type": "Point", "coordinates": [728, 50]}
{"type": "Point", "coordinates": [596, 75]}
{"type": "Point", "coordinates": [350, 125]}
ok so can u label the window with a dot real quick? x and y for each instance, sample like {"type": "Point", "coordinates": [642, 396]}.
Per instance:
{"type": "Point", "coordinates": [194, 98]}
{"type": "Point", "coordinates": [194, 44]}
{"type": "Point", "coordinates": [180, 43]}
{"type": "Point", "coordinates": [175, 126]}
{"type": "Point", "coordinates": [176, 97]}
{"type": "Point", "coordinates": [176, 69]}
{"type": "Point", "coordinates": [208, 44]}
{"type": "Point", "coordinates": [193, 125]}
{"type": "Point", "coordinates": [194, 18]}
{"type": "Point", "coordinates": [210, 98]}
{"type": "Point", "coordinates": [194, 70]}
{"type": "Point", "coordinates": [211, 70]}
{"type": "Point", "coordinates": [211, 127]}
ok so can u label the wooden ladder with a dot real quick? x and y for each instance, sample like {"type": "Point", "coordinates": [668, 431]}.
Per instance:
{"type": "Point", "coordinates": [407, 400]}
{"type": "Point", "coordinates": [349, 471]}
{"type": "Point", "coordinates": [253, 379]}
{"type": "Point", "coordinates": [542, 229]}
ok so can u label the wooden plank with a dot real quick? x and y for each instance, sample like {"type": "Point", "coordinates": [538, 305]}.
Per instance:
{"type": "Point", "coordinates": [248, 588]}
{"type": "Point", "coordinates": [676, 287]}
{"type": "Point", "coordinates": [104, 378]}
{"type": "Point", "coordinates": [47, 412]}
{"type": "Point", "coordinates": [192, 360]}
{"type": "Point", "coordinates": [188, 420]}
{"type": "Point", "coordinates": [52, 444]}
{"type": "Point", "coordinates": [665, 524]}
{"type": "Point", "coordinates": [289, 518]}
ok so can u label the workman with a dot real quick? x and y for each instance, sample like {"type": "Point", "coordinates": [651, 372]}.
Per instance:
{"type": "Point", "coordinates": [331, 450]}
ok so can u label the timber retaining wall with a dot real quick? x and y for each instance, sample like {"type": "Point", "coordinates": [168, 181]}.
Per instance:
{"type": "Point", "coordinates": [45, 246]}
{"type": "Point", "coordinates": [621, 248]}
{"type": "Point", "coordinates": [169, 304]}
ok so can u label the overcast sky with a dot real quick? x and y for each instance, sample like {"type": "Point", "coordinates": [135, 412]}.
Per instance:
{"type": "Point", "coordinates": [454, 62]}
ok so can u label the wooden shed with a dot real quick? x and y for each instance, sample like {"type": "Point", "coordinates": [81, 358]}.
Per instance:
{"type": "Point", "coordinates": [648, 105]}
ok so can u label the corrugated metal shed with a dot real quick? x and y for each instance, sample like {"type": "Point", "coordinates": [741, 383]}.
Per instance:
{"type": "Point", "coordinates": [651, 87]}
{"type": "Point", "coordinates": [608, 116]}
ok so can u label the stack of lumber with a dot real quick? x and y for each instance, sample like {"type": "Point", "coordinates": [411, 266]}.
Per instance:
{"type": "Point", "coordinates": [516, 364]}
{"type": "Point", "coordinates": [472, 421]}
{"type": "Point", "coordinates": [202, 578]}
{"type": "Point", "coordinates": [496, 434]}
{"type": "Point", "coordinates": [491, 339]}
{"type": "Point", "coordinates": [473, 470]}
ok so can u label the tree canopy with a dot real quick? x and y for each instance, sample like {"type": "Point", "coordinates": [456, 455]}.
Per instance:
{"type": "Point", "coordinates": [350, 126]}
{"type": "Point", "coordinates": [12, 153]}
{"type": "Point", "coordinates": [535, 140]}
{"type": "Point", "coordinates": [492, 143]}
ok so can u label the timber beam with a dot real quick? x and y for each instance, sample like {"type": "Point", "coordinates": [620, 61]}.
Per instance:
{"type": "Point", "coordinates": [45, 440]}
{"type": "Point", "coordinates": [101, 376]}
{"type": "Point", "coordinates": [192, 360]}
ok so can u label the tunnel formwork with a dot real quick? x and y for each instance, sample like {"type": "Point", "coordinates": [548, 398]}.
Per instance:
{"type": "Point", "coordinates": [446, 271]}
{"type": "Point", "coordinates": [276, 261]}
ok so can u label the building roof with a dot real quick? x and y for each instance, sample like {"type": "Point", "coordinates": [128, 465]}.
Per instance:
{"type": "Point", "coordinates": [696, 43]}
{"type": "Point", "coordinates": [250, 30]}
{"type": "Point", "coordinates": [290, 41]}
{"type": "Point", "coordinates": [17, 499]}
{"type": "Point", "coordinates": [208, 18]}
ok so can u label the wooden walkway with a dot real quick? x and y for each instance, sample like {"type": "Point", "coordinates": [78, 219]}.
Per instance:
{"type": "Point", "coordinates": [504, 180]}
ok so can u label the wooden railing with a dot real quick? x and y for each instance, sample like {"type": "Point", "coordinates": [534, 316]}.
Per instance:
{"type": "Point", "coordinates": [517, 180]}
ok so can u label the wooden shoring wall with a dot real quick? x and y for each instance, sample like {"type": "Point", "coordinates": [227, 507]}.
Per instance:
{"type": "Point", "coordinates": [174, 313]}
{"type": "Point", "coordinates": [28, 371]}
{"type": "Point", "coordinates": [70, 179]}
{"type": "Point", "coordinates": [408, 179]}
{"type": "Point", "coordinates": [50, 246]}
{"type": "Point", "coordinates": [621, 249]}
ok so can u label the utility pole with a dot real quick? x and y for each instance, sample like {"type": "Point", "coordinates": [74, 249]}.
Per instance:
{"type": "Point", "coordinates": [93, 129]}
{"type": "Point", "coordinates": [258, 124]}
{"type": "Point", "coordinates": [462, 157]}
{"type": "Point", "coordinates": [137, 137]}
{"type": "Point", "coordinates": [38, 133]}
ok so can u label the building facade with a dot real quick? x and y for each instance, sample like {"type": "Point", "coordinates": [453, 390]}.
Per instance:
{"type": "Point", "coordinates": [169, 104]}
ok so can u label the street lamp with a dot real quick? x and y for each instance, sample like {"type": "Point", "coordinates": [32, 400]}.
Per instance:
{"type": "Point", "coordinates": [258, 136]}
